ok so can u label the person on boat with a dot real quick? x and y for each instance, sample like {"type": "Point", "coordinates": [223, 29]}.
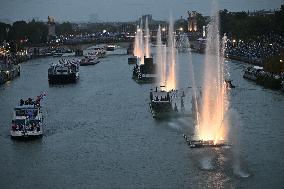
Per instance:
{"type": "Point", "coordinates": [175, 108]}
{"type": "Point", "coordinates": [151, 96]}
{"type": "Point", "coordinates": [30, 101]}
{"type": "Point", "coordinates": [14, 126]}
{"type": "Point", "coordinates": [20, 127]}
{"type": "Point", "coordinates": [182, 104]}
{"type": "Point", "coordinates": [168, 96]}
{"type": "Point", "coordinates": [22, 102]}
{"type": "Point", "coordinates": [38, 127]}
{"type": "Point", "coordinates": [157, 99]}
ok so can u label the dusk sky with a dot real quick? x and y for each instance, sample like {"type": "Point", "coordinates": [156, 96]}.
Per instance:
{"type": "Point", "coordinates": [119, 10]}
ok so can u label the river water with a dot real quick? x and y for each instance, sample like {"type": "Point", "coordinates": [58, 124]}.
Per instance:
{"type": "Point", "coordinates": [99, 133]}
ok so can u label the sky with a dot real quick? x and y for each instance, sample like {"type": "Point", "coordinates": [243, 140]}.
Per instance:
{"type": "Point", "coordinates": [119, 10]}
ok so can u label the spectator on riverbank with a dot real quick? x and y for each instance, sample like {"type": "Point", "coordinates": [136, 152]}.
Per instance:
{"type": "Point", "coordinates": [255, 50]}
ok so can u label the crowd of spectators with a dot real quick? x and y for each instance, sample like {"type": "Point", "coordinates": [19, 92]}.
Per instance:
{"type": "Point", "coordinates": [255, 50]}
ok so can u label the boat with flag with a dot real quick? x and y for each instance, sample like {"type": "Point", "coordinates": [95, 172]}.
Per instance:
{"type": "Point", "coordinates": [27, 119]}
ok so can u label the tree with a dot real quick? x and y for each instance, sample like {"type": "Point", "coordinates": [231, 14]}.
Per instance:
{"type": "Point", "coordinates": [18, 31]}
{"type": "Point", "coordinates": [4, 28]}
{"type": "Point", "coordinates": [37, 32]}
{"type": "Point", "coordinates": [64, 29]}
{"type": "Point", "coordinates": [275, 64]}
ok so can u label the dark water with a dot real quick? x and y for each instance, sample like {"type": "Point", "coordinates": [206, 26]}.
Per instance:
{"type": "Point", "coordinates": [99, 133]}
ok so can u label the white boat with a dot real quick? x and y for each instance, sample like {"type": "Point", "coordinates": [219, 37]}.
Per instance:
{"type": "Point", "coordinates": [98, 50]}
{"type": "Point", "coordinates": [251, 73]}
{"type": "Point", "coordinates": [65, 71]}
{"type": "Point", "coordinates": [67, 54]}
{"type": "Point", "coordinates": [89, 60]}
{"type": "Point", "coordinates": [27, 120]}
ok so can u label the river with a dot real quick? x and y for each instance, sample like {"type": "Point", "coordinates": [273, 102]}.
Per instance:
{"type": "Point", "coordinates": [99, 133]}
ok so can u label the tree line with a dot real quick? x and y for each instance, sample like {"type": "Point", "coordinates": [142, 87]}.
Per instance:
{"type": "Point", "coordinates": [235, 24]}
{"type": "Point", "coordinates": [32, 32]}
{"type": "Point", "coordinates": [243, 26]}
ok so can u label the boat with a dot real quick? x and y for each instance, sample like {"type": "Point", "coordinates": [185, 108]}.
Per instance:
{"type": "Point", "coordinates": [229, 84]}
{"type": "Point", "coordinates": [130, 49]}
{"type": "Point", "coordinates": [57, 54]}
{"type": "Point", "coordinates": [251, 73]}
{"type": "Point", "coordinates": [264, 78]}
{"type": "Point", "coordinates": [78, 52]}
{"type": "Point", "coordinates": [98, 50]}
{"type": "Point", "coordinates": [206, 143]}
{"type": "Point", "coordinates": [168, 104]}
{"type": "Point", "coordinates": [110, 48]}
{"type": "Point", "coordinates": [132, 60]}
{"type": "Point", "coordinates": [89, 60]}
{"type": "Point", "coordinates": [145, 73]}
{"type": "Point", "coordinates": [161, 103]}
{"type": "Point", "coordinates": [101, 53]}
{"type": "Point", "coordinates": [9, 72]}
{"type": "Point", "coordinates": [65, 71]}
{"type": "Point", "coordinates": [68, 53]}
{"type": "Point", "coordinates": [27, 119]}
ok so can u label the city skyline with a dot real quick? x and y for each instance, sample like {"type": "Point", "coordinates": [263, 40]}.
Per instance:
{"type": "Point", "coordinates": [123, 10]}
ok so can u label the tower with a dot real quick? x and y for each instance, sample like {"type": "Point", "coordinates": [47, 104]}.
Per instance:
{"type": "Point", "coordinates": [51, 28]}
{"type": "Point", "coordinates": [192, 21]}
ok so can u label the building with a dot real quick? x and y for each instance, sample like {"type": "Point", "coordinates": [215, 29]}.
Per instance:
{"type": "Point", "coordinates": [51, 28]}
{"type": "Point", "coordinates": [192, 21]}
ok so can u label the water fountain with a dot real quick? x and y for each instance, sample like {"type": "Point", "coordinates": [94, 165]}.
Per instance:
{"type": "Point", "coordinates": [214, 95]}
{"type": "Point", "coordinates": [161, 59]}
{"type": "Point", "coordinates": [136, 49]}
{"type": "Point", "coordinates": [170, 83]}
{"type": "Point", "coordinates": [210, 104]}
{"type": "Point", "coordinates": [144, 72]}
{"type": "Point", "coordinates": [138, 52]}
{"type": "Point", "coordinates": [147, 40]}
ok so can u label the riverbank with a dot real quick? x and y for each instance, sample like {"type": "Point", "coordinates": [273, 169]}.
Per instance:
{"type": "Point", "coordinates": [10, 67]}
